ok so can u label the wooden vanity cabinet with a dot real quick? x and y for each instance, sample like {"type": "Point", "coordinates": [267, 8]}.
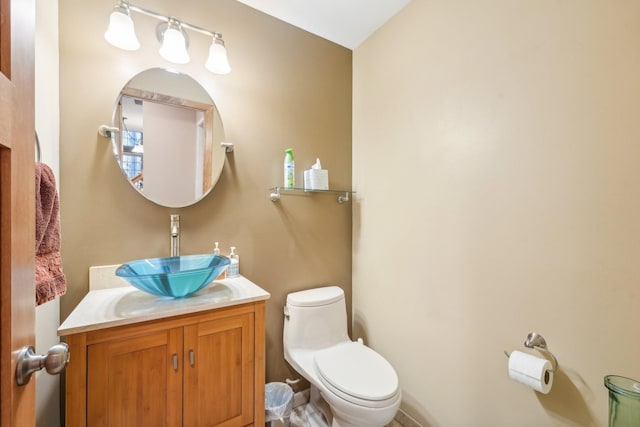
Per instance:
{"type": "Point", "coordinates": [132, 381]}
{"type": "Point", "coordinates": [196, 370]}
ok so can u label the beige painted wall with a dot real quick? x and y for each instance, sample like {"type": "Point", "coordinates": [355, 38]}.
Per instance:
{"type": "Point", "coordinates": [495, 158]}
{"type": "Point", "coordinates": [287, 89]}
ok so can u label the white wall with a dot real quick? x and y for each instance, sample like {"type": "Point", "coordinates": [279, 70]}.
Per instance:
{"type": "Point", "coordinates": [495, 158]}
{"type": "Point", "coordinates": [47, 126]}
{"type": "Point", "coordinates": [170, 148]}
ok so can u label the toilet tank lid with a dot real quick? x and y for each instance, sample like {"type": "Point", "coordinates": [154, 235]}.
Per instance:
{"type": "Point", "coordinates": [315, 297]}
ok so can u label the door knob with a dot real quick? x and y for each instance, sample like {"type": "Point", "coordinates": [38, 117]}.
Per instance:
{"type": "Point", "coordinates": [28, 362]}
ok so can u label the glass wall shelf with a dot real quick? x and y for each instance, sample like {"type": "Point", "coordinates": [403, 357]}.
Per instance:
{"type": "Point", "coordinates": [276, 192]}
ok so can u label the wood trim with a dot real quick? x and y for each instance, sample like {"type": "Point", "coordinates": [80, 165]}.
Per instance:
{"type": "Point", "coordinates": [5, 38]}
{"type": "Point", "coordinates": [75, 380]}
{"type": "Point", "coordinates": [207, 168]}
{"type": "Point", "coordinates": [165, 99]}
{"type": "Point", "coordinates": [175, 393]}
{"type": "Point", "coordinates": [117, 118]}
{"type": "Point", "coordinates": [17, 249]}
{"type": "Point", "coordinates": [127, 331]}
{"type": "Point", "coordinates": [190, 397]}
{"type": "Point", "coordinates": [5, 281]}
{"type": "Point", "coordinates": [6, 90]}
{"type": "Point", "coordinates": [259, 363]}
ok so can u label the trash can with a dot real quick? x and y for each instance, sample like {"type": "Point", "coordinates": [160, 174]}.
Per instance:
{"type": "Point", "coordinates": [278, 403]}
{"type": "Point", "coordinates": [624, 401]}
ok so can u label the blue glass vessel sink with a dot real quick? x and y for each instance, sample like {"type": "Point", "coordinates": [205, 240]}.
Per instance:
{"type": "Point", "coordinates": [174, 277]}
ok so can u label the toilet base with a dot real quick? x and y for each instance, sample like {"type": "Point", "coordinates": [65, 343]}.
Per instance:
{"type": "Point", "coordinates": [341, 423]}
{"type": "Point", "coordinates": [321, 405]}
{"type": "Point", "coordinates": [332, 419]}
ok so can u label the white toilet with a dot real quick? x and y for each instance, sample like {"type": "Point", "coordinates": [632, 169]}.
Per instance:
{"type": "Point", "coordinates": [358, 384]}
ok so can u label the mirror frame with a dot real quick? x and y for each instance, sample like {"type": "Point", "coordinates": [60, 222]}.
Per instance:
{"type": "Point", "coordinates": [214, 154]}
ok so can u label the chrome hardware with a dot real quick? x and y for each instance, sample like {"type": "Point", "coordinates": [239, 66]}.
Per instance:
{"type": "Point", "coordinates": [175, 362]}
{"type": "Point", "coordinates": [192, 358]}
{"type": "Point", "coordinates": [286, 312]}
{"type": "Point", "coordinates": [228, 146]}
{"type": "Point", "coordinates": [276, 192]}
{"type": "Point", "coordinates": [28, 362]}
{"type": "Point", "coordinates": [107, 131]}
{"type": "Point", "coordinates": [175, 235]}
{"type": "Point", "coordinates": [537, 342]}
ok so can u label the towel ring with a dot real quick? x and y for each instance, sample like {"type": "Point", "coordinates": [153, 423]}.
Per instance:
{"type": "Point", "coordinates": [537, 342]}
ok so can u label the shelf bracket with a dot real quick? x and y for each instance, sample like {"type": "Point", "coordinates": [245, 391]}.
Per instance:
{"type": "Point", "coordinates": [275, 194]}
{"type": "Point", "coordinates": [345, 198]}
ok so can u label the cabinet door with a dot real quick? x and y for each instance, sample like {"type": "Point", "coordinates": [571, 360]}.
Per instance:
{"type": "Point", "coordinates": [218, 372]}
{"type": "Point", "coordinates": [136, 381]}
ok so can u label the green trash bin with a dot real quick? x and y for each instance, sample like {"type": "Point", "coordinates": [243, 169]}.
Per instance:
{"type": "Point", "coordinates": [624, 401]}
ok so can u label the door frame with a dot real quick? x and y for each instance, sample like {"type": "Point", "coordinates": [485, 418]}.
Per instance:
{"type": "Point", "coordinates": [17, 205]}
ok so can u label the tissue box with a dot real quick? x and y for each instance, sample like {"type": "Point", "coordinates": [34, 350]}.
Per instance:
{"type": "Point", "coordinates": [316, 179]}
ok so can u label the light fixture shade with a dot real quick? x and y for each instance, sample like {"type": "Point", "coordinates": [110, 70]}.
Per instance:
{"type": "Point", "coordinates": [217, 61]}
{"type": "Point", "coordinates": [174, 45]}
{"type": "Point", "coordinates": [121, 32]}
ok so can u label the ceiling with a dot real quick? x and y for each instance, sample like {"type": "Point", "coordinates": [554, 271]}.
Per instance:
{"type": "Point", "coordinates": [345, 22]}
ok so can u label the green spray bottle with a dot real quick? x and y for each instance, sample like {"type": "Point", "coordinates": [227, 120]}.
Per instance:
{"type": "Point", "coordinates": [289, 169]}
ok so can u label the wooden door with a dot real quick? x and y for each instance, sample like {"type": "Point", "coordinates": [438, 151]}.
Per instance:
{"type": "Point", "coordinates": [219, 372]}
{"type": "Point", "coordinates": [136, 381]}
{"type": "Point", "coordinates": [17, 206]}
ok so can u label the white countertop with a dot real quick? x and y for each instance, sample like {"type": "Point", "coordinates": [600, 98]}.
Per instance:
{"type": "Point", "coordinates": [124, 305]}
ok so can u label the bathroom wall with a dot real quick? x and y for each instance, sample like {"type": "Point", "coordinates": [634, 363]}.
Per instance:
{"type": "Point", "coordinates": [495, 159]}
{"type": "Point", "coordinates": [287, 88]}
{"type": "Point", "coordinates": [48, 128]}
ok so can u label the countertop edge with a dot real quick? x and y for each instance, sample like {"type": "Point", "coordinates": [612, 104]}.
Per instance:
{"type": "Point", "coordinates": [257, 294]}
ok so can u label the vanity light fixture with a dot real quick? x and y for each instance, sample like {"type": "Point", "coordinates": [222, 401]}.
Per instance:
{"type": "Point", "coordinates": [217, 61]}
{"type": "Point", "coordinates": [174, 42]}
{"type": "Point", "coordinates": [121, 32]}
{"type": "Point", "coordinates": [170, 32]}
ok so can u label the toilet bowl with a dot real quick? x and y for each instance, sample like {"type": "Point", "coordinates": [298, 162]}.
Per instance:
{"type": "Point", "coordinates": [359, 386]}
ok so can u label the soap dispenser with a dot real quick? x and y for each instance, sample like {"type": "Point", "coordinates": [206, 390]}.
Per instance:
{"type": "Point", "coordinates": [216, 252]}
{"type": "Point", "coordinates": [234, 267]}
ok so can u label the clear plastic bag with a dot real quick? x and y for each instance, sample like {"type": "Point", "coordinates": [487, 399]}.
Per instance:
{"type": "Point", "coordinates": [278, 399]}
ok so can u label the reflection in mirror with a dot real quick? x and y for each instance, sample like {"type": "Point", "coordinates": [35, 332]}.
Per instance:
{"type": "Point", "coordinates": [168, 146]}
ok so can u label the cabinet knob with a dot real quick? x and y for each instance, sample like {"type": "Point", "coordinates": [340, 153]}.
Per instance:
{"type": "Point", "coordinates": [192, 357]}
{"type": "Point", "coordinates": [175, 362]}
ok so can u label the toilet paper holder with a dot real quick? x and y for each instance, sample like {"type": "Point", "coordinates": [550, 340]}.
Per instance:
{"type": "Point", "coordinates": [537, 342]}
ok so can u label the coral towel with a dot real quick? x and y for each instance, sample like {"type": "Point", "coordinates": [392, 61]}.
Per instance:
{"type": "Point", "coordinates": [50, 280]}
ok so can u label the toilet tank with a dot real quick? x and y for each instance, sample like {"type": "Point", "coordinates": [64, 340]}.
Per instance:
{"type": "Point", "coordinates": [315, 318]}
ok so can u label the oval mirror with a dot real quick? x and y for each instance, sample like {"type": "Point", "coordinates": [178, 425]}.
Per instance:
{"type": "Point", "coordinates": [168, 146]}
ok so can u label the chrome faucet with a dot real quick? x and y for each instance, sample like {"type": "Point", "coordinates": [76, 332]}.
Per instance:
{"type": "Point", "coordinates": [175, 235]}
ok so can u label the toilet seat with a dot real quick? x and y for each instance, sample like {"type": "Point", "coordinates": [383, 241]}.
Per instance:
{"type": "Point", "coordinates": [357, 374]}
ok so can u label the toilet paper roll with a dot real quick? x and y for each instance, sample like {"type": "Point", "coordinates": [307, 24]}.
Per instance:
{"type": "Point", "coordinates": [532, 371]}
